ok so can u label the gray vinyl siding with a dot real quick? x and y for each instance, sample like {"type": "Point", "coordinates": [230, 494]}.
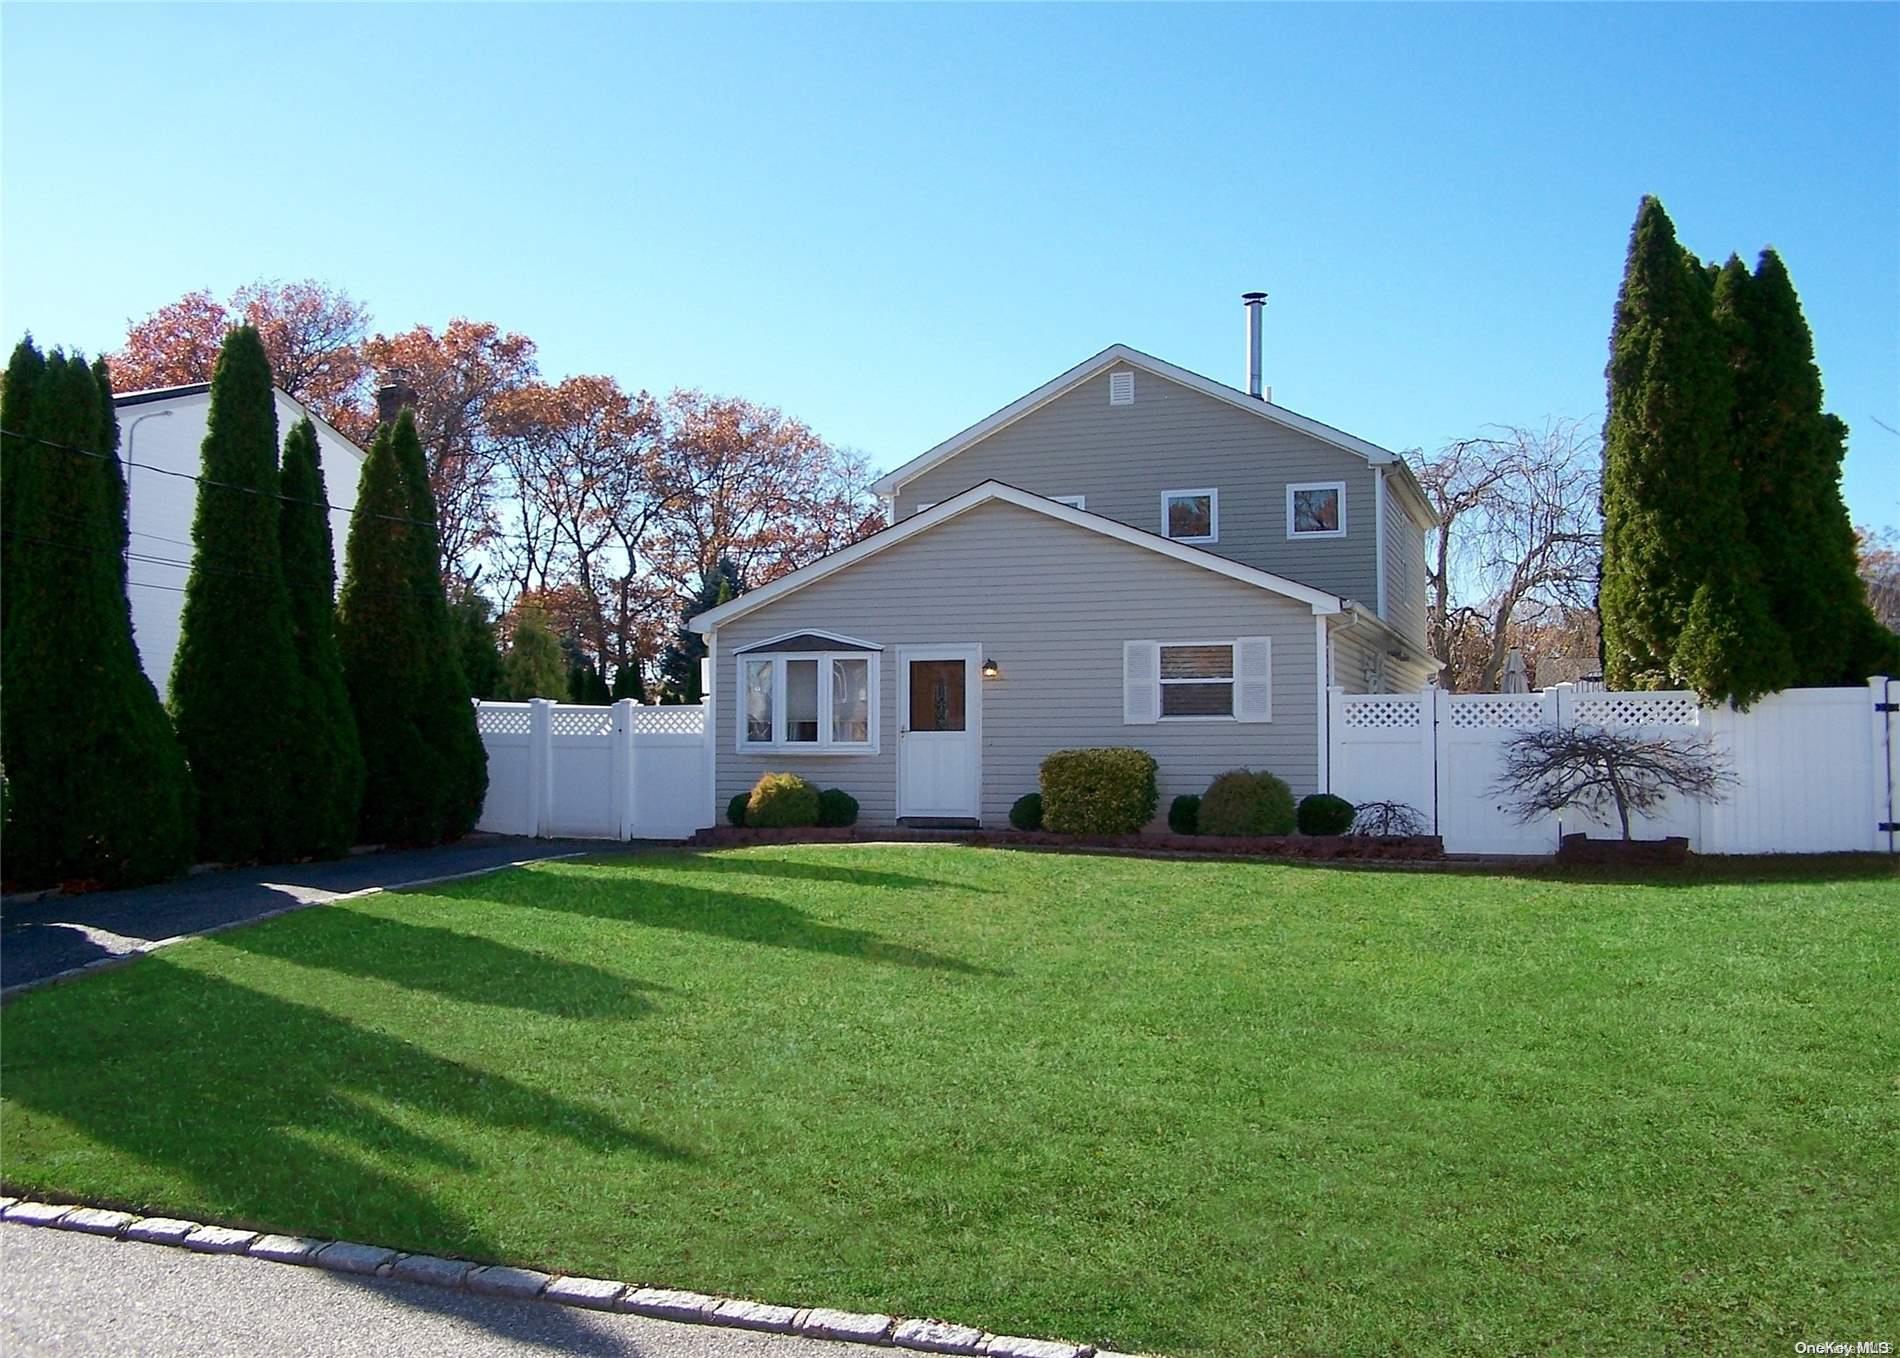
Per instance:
{"type": "Point", "coordinates": [1174, 438]}
{"type": "Point", "coordinates": [1404, 566]}
{"type": "Point", "coordinates": [1052, 605]}
{"type": "Point", "coordinates": [1363, 661]}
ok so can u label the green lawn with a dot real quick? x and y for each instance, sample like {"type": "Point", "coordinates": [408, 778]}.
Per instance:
{"type": "Point", "coordinates": [1191, 1107]}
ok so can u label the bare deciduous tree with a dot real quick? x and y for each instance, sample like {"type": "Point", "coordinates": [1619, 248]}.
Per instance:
{"type": "Point", "coordinates": [1387, 818]}
{"type": "Point", "coordinates": [1518, 538]}
{"type": "Point", "coordinates": [1880, 571]}
{"type": "Point", "coordinates": [1553, 767]}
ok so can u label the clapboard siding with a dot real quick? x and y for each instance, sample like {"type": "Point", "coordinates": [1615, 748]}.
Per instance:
{"type": "Point", "coordinates": [1404, 567]}
{"type": "Point", "coordinates": [1174, 438]}
{"type": "Point", "coordinates": [1051, 604]}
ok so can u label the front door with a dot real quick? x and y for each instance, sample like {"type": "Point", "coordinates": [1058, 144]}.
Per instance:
{"type": "Point", "coordinates": [939, 732]}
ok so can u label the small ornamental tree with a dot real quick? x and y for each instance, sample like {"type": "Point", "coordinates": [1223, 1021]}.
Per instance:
{"type": "Point", "coordinates": [97, 788]}
{"type": "Point", "coordinates": [1548, 769]}
{"type": "Point", "coordinates": [330, 779]}
{"type": "Point", "coordinates": [532, 668]}
{"type": "Point", "coordinates": [236, 689]}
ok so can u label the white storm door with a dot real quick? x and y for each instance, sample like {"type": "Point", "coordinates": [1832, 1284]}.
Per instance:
{"type": "Point", "coordinates": [939, 731]}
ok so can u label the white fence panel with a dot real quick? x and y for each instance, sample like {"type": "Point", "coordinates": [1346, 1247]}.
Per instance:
{"type": "Point", "coordinates": [619, 772]}
{"type": "Point", "coordinates": [1813, 773]}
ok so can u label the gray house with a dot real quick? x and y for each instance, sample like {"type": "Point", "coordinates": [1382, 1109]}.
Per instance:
{"type": "Point", "coordinates": [1131, 554]}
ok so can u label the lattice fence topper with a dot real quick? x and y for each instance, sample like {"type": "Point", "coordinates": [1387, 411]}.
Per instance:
{"type": "Point", "coordinates": [669, 721]}
{"type": "Point", "coordinates": [491, 720]}
{"type": "Point", "coordinates": [1635, 709]}
{"type": "Point", "coordinates": [1497, 711]}
{"type": "Point", "coordinates": [581, 721]}
{"type": "Point", "coordinates": [1382, 712]}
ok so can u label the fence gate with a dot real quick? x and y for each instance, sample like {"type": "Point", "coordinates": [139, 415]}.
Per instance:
{"type": "Point", "coordinates": [1887, 740]}
{"type": "Point", "coordinates": [620, 772]}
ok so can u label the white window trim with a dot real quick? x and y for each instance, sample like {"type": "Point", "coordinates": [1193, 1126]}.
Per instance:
{"type": "Point", "coordinates": [824, 745]}
{"type": "Point", "coordinates": [1142, 682]}
{"type": "Point", "coordinates": [1293, 486]}
{"type": "Point", "coordinates": [1232, 681]}
{"type": "Point", "coordinates": [1213, 512]}
{"type": "Point", "coordinates": [1072, 501]}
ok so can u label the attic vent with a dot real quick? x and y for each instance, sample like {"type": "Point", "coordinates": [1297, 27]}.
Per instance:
{"type": "Point", "coordinates": [1121, 389]}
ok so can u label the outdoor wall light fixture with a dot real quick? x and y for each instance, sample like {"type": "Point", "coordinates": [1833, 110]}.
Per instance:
{"type": "Point", "coordinates": [992, 670]}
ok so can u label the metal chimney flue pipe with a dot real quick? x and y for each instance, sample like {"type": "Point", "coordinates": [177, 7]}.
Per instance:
{"type": "Point", "coordinates": [1256, 303]}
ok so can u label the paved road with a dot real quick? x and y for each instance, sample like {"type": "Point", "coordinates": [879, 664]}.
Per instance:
{"type": "Point", "coordinates": [65, 1293]}
{"type": "Point", "coordinates": [42, 938]}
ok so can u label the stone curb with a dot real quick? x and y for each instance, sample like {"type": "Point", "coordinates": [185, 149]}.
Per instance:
{"type": "Point", "coordinates": [500, 1280]}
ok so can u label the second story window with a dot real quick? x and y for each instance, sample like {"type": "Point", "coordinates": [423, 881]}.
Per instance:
{"type": "Point", "coordinates": [1191, 515]}
{"type": "Point", "coordinates": [1316, 509]}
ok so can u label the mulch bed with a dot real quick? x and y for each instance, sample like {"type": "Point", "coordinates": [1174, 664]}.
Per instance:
{"type": "Point", "coordinates": [1409, 848]}
{"type": "Point", "coordinates": [1582, 850]}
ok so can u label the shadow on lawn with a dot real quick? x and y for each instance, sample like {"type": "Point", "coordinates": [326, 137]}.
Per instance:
{"type": "Point", "coordinates": [466, 967]}
{"type": "Point", "coordinates": [751, 865]}
{"type": "Point", "coordinates": [718, 914]}
{"type": "Point", "coordinates": [270, 1113]}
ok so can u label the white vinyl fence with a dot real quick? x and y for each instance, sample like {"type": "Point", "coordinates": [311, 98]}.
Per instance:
{"type": "Point", "coordinates": [1816, 769]}
{"type": "Point", "coordinates": [620, 772]}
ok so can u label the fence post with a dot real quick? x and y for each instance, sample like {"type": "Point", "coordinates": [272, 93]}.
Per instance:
{"type": "Point", "coordinates": [625, 769]}
{"type": "Point", "coordinates": [540, 763]}
{"type": "Point", "coordinates": [1434, 706]}
{"type": "Point", "coordinates": [1880, 752]}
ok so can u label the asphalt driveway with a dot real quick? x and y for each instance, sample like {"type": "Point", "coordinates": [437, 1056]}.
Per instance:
{"type": "Point", "coordinates": [43, 938]}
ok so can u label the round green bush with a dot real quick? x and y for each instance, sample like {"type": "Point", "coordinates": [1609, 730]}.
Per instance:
{"type": "Point", "coordinates": [1026, 813]}
{"type": "Point", "coordinates": [1324, 814]}
{"type": "Point", "coordinates": [735, 809]}
{"type": "Point", "coordinates": [781, 801]}
{"type": "Point", "coordinates": [1184, 814]}
{"type": "Point", "coordinates": [1242, 802]}
{"type": "Point", "coordinates": [837, 807]}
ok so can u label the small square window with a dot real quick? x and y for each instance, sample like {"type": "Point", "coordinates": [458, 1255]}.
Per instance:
{"type": "Point", "coordinates": [1191, 515]}
{"type": "Point", "coordinates": [1316, 510]}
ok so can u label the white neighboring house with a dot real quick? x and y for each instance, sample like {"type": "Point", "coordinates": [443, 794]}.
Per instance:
{"type": "Point", "coordinates": [161, 432]}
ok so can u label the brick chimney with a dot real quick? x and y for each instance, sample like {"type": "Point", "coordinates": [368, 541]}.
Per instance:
{"type": "Point", "coordinates": [391, 397]}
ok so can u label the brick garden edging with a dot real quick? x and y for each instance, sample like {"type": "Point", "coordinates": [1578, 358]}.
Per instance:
{"type": "Point", "coordinates": [1351, 848]}
{"type": "Point", "coordinates": [524, 1284]}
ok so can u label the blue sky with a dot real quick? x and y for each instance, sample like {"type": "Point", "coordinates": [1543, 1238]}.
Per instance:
{"type": "Point", "coordinates": [891, 221]}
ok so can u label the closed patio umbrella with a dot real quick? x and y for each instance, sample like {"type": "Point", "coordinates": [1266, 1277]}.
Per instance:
{"type": "Point", "coordinates": [1514, 680]}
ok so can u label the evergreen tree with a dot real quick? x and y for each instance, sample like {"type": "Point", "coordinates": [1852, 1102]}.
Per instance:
{"type": "Point", "coordinates": [679, 665]}
{"type": "Point", "coordinates": [480, 651]}
{"type": "Point", "coordinates": [1788, 455]}
{"type": "Point", "coordinates": [330, 779]}
{"type": "Point", "coordinates": [1682, 601]}
{"type": "Point", "coordinates": [627, 683]}
{"type": "Point", "coordinates": [532, 668]}
{"type": "Point", "coordinates": [585, 686]}
{"type": "Point", "coordinates": [236, 690]}
{"type": "Point", "coordinates": [97, 788]}
{"type": "Point", "coordinates": [17, 454]}
{"type": "Point", "coordinates": [380, 634]}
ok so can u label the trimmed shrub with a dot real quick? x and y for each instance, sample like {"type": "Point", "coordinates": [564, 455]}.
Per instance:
{"type": "Point", "coordinates": [836, 807]}
{"type": "Point", "coordinates": [1324, 814]}
{"type": "Point", "coordinates": [1242, 802]}
{"type": "Point", "coordinates": [1026, 812]}
{"type": "Point", "coordinates": [735, 809]}
{"type": "Point", "coordinates": [1107, 791]}
{"type": "Point", "coordinates": [1184, 814]}
{"type": "Point", "coordinates": [781, 800]}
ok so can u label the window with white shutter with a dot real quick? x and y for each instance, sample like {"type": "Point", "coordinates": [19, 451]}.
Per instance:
{"type": "Point", "coordinates": [1141, 682]}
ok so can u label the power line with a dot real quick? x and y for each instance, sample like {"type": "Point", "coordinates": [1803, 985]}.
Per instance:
{"type": "Point", "coordinates": [221, 485]}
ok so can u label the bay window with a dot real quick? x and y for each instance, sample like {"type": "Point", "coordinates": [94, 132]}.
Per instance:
{"type": "Point", "coordinates": [818, 702]}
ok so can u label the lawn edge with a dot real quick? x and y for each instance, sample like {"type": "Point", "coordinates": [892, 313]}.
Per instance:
{"type": "Point", "coordinates": [520, 1284]}
{"type": "Point", "coordinates": [123, 959]}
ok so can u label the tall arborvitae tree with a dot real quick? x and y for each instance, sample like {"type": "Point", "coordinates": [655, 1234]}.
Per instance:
{"type": "Point", "coordinates": [330, 782]}
{"type": "Point", "coordinates": [446, 718]}
{"type": "Point", "coordinates": [627, 683]}
{"type": "Point", "coordinates": [679, 664]}
{"type": "Point", "coordinates": [476, 643]}
{"type": "Point", "coordinates": [382, 635]}
{"type": "Point", "coordinates": [97, 789]}
{"type": "Point", "coordinates": [1682, 600]}
{"type": "Point", "coordinates": [586, 687]}
{"type": "Point", "coordinates": [1787, 453]}
{"type": "Point", "coordinates": [24, 370]}
{"type": "Point", "coordinates": [236, 689]}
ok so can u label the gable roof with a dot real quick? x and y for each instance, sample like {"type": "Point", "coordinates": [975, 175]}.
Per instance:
{"type": "Point", "coordinates": [996, 491]}
{"type": "Point", "coordinates": [151, 394]}
{"type": "Point", "coordinates": [1122, 354]}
